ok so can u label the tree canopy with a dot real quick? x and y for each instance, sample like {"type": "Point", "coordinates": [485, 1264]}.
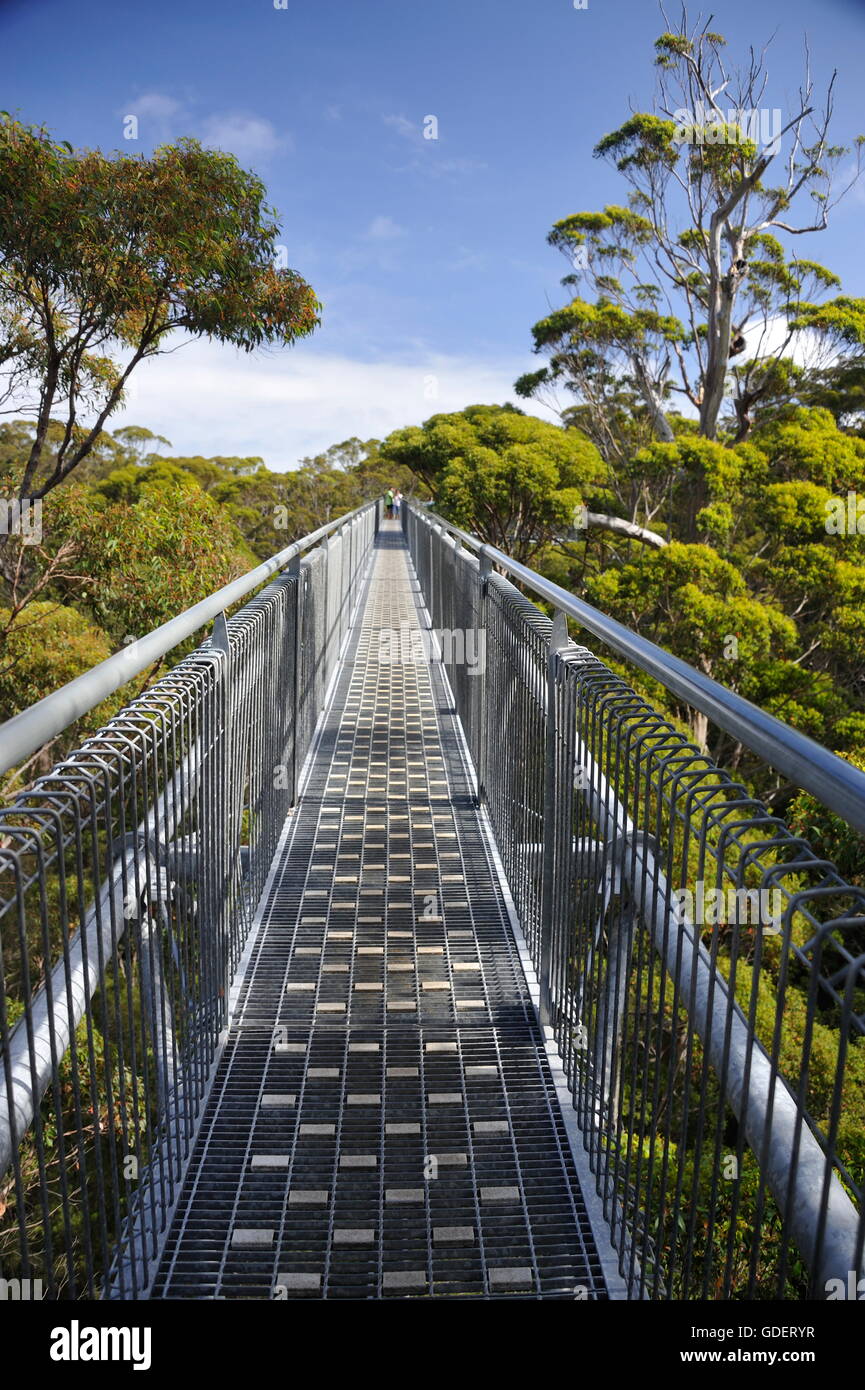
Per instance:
{"type": "Point", "coordinates": [103, 257]}
{"type": "Point", "coordinates": [514, 479]}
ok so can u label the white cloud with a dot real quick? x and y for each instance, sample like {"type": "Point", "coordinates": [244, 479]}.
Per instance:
{"type": "Point", "coordinates": [212, 400]}
{"type": "Point", "coordinates": [431, 162]}
{"type": "Point", "coordinates": [441, 168]}
{"type": "Point", "coordinates": [409, 130]}
{"type": "Point", "coordinates": [247, 137]}
{"type": "Point", "coordinates": [241, 133]}
{"type": "Point", "coordinates": [157, 106]}
{"type": "Point", "coordinates": [384, 229]}
{"type": "Point", "coordinates": [466, 259]}
{"type": "Point", "coordinates": [158, 114]}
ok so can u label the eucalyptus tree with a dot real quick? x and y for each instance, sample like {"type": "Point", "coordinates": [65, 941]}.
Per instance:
{"type": "Point", "coordinates": [687, 298]}
{"type": "Point", "coordinates": [103, 258]}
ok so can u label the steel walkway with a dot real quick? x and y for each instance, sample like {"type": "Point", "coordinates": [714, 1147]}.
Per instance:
{"type": "Point", "coordinates": [267, 1023]}
{"type": "Point", "coordinates": [384, 1121]}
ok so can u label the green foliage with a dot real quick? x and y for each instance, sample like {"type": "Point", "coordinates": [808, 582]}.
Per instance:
{"type": "Point", "coordinates": [807, 445]}
{"type": "Point", "coordinates": [134, 538]}
{"type": "Point", "coordinates": [643, 141]}
{"type": "Point", "coordinates": [147, 555]}
{"type": "Point", "coordinates": [693, 603]}
{"type": "Point", "coordinates": [841, 320]}
{"type": "Point", "coordinates": [512, 478]}
{"type": "Point", "coordinates": [42, 647]}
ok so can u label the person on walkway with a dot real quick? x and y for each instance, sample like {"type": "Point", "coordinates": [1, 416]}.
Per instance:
{"type": "Point", "coordinates": [397, 498]}
{"type": "Point", "coordinates": [388, 504]}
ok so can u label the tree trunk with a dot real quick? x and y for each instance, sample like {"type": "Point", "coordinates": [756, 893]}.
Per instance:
{"type": "Point", "coordinates": [722, 294]}
{"type": "Point", "coordinates": [661, 424]}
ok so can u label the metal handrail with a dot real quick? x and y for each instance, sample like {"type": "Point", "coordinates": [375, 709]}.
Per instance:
{"type": "Point", "coordinates": [836, 783]}
{"type": "Point", "coordinates": [26, 732]}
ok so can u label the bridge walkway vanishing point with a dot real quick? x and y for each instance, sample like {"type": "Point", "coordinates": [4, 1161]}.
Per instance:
{"type": "Point", "coordinates": [384, 1120]}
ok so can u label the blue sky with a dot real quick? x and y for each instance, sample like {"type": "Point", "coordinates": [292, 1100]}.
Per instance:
{"type": "Point", "coordinates": [429, 255]}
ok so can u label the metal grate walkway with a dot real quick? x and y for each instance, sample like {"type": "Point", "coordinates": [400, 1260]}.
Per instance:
{"type": "Point", "coordinates": [383, 1122]}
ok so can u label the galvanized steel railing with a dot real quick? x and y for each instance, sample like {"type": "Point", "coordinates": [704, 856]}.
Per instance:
{"type": "Point", "coordinates": [128, 878]}
{"type": "Point", "coordinates": [716, 1058]}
